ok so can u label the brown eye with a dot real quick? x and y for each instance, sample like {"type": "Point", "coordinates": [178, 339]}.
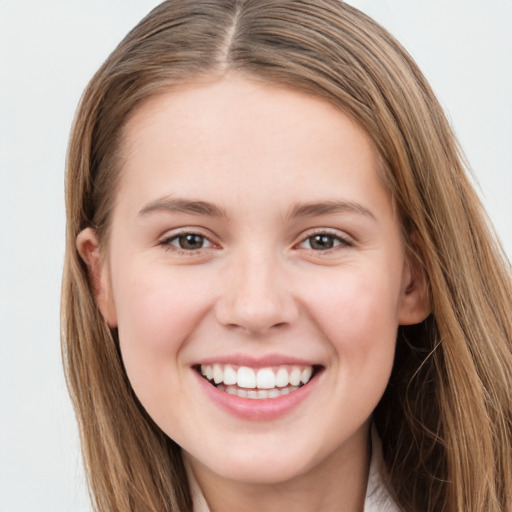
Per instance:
{"type": "Point", "coordinates": [189, 242]}
{"type": "Point", "coordinates": [323, 242]}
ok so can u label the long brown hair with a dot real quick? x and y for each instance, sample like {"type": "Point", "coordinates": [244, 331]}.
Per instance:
{"type": "Point", "coordinates": [446, 417]}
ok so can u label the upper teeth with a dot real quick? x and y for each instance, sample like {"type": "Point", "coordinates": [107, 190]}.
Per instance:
{"type": "Point", "coordinates": [262, 378]}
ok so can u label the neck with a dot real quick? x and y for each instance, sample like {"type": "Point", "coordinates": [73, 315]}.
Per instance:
{"type": "Point", "coordinates": [337, 484]}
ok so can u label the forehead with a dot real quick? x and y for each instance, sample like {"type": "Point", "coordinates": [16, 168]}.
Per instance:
{"type": "Point", "coordinates": [244, 104]}
{"type": "Point", "coordinates": [241, 136]}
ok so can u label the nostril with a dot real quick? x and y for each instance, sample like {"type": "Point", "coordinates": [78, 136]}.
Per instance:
{"type": "Point", "coordinates": [256, 303]}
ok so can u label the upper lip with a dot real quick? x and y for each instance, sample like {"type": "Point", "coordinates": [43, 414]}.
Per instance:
{"type": "Point", "coordinates": [256, 361]}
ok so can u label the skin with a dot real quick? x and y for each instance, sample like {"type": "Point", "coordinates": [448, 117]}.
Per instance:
{"type": "Point", "coordinates": [258, 285]}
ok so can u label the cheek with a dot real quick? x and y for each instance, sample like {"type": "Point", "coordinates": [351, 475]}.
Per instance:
{"type": "Point", "coordinates": [358, 314]}
{"type": "Point", "coordinates": [157, 312]}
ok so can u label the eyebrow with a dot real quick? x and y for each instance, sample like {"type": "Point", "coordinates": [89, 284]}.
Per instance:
{"type": "Point", "coordinates": [178, 205]}
{"type": "Point", "coordinates": [329, 208]}
{"type": "Point", "coordinates": [192, 207]}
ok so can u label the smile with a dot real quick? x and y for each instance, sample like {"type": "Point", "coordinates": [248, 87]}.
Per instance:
{"type": "Point", "coordinates": [260, 383]}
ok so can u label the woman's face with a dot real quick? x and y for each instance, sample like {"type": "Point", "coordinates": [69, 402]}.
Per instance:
{"type": "Point", "coordinates": [257, 276]}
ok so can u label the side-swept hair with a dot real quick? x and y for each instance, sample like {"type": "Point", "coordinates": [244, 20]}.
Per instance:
{"type": "Point", "coordinates": [446, 416]}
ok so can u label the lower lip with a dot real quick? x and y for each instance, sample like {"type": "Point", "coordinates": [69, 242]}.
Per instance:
{"type": "Point", "coordinates": [261, 409]}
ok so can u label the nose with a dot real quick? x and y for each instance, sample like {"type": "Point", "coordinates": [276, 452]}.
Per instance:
{"type": "Point", "coordinates": [256, 297]}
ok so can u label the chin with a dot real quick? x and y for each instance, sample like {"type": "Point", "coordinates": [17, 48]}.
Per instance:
{"type": "Point", "coordinates": [260, 466]}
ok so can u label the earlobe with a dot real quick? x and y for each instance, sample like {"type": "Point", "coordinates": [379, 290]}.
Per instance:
{"type": "Point", "coordinates": [88, 247]}
{"type": "Point", "coordinates": [415, 303]}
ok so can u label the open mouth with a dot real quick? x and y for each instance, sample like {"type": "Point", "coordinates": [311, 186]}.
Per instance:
{"type": "Point", "coordinates": [258, 383]}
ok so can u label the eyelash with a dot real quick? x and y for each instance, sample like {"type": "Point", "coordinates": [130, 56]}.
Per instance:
{"type": "Point", "coordinates": [336, 239]}
{"type": "Point", "coordinates": [168, 245]}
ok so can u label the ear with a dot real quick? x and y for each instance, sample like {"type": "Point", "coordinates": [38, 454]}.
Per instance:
{"type": "Point", "coordinates": [88, 247]}
{"type": "Point", "coordinates": [415, 301]}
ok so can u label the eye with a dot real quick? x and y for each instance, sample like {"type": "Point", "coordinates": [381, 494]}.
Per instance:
{"type": "Point", "coordinates": [188, 241]}
{"type": "Point", "coordinates": [323, 242]}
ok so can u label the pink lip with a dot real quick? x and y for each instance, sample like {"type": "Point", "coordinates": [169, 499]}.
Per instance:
{"type": "Point", "coordinates": [256, 362]}
{"type": "Point", "coordinates": [265, 409]}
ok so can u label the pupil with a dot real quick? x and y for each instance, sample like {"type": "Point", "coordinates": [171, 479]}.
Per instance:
{"type": "Point", "coordinates": [322, 242]}
{"type": "Point", "coordinates": [191, 241]}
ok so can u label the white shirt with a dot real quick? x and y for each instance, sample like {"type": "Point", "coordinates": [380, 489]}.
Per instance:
{"type": "Point", "coordinates": [377, 498]}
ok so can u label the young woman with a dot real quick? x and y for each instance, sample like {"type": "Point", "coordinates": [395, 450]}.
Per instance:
{"type": "Point", "coordinates": [280, 288]}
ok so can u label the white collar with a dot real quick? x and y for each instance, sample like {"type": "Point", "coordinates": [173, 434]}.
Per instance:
{"type": "Point", "coordinates": [377, 498]}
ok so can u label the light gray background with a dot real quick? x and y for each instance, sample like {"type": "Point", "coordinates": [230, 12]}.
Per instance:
{"type": "Point", "coordinates": [48, 51]}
